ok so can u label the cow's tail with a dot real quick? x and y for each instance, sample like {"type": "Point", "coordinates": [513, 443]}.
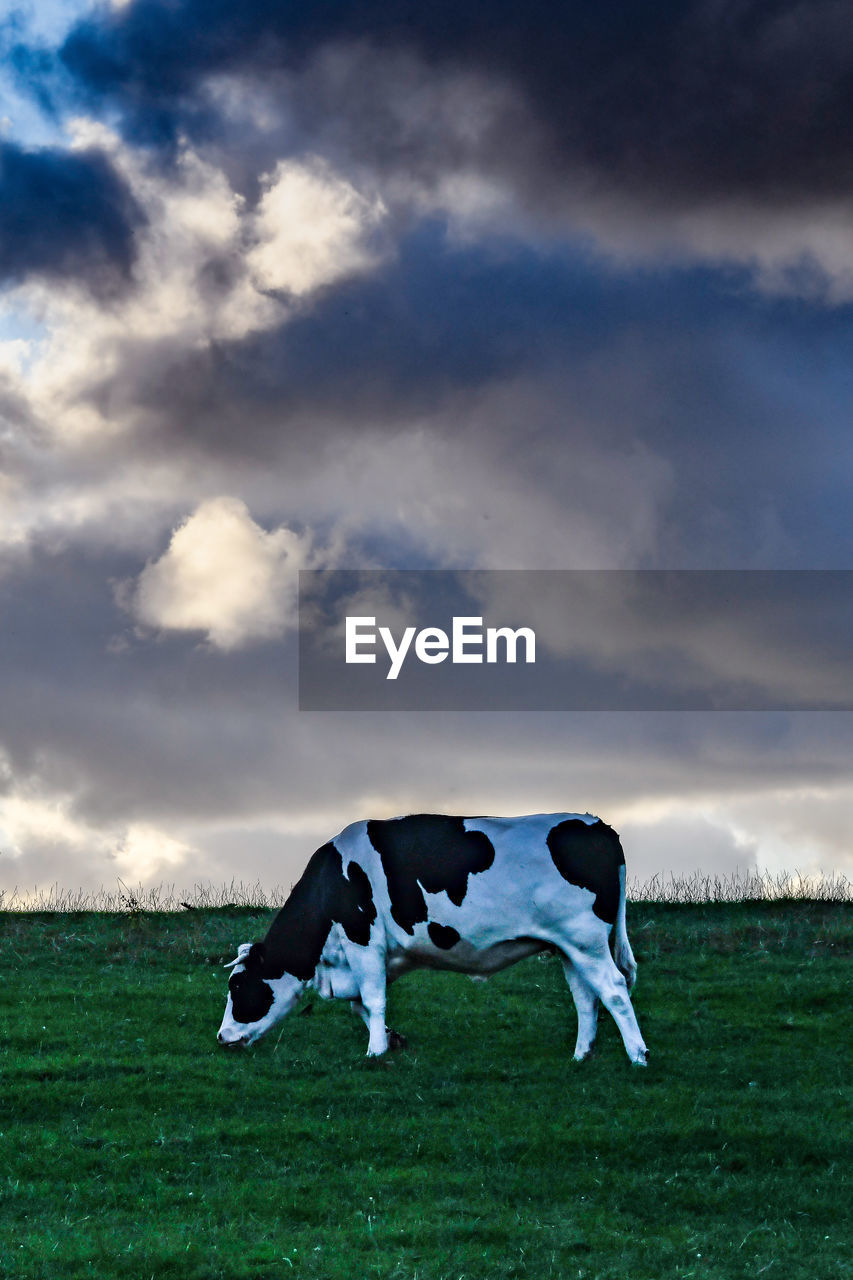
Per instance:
{"type": "Point", "coordinates": [622, 953]}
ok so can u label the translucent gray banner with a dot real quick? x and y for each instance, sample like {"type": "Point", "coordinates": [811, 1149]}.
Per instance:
{"type": "Point", "coordinates": [575, 640]}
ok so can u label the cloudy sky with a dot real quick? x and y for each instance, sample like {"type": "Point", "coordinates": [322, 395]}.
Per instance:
{"type": "Point", "coordinates": [373, 285]}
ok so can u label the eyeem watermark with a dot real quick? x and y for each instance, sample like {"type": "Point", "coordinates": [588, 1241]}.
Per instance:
{"type": "Point", "coordinates": [468, 642]}
{"type": "Point", "coordinates": [575, 640]}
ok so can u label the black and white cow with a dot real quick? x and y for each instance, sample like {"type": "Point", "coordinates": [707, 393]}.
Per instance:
{"type": "Point", "coordinates": [469, 894]}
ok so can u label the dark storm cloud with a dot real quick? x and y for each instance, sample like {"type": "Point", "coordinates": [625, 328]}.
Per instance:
{"type": "Point", "coordinates": [683, 361]}
{"type": "Point", "coordinates": [444, 320]}
{"type": "Point", "coordinates": [64, 214]}
{"type": "Point", "coordinates": [378, 348]}
{"type": "Point", "coordinates": [675, 100]}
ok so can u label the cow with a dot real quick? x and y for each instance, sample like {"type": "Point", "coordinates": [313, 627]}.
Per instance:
{"type": "Point", "coordinates": [472, 895]}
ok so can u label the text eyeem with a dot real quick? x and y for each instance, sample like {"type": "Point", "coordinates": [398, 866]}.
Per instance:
{"type": "Point", "coordinates": [467, 642]}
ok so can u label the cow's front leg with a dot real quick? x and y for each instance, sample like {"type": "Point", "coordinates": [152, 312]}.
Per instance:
{"type": "Point", "coordinates": [396, 1039]}
{"type": "Point", "coordinates": [368, 965]}
{"type": "Point", "coordinates": [374, 1003]}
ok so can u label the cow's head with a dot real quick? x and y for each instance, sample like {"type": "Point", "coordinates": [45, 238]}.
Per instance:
{"type": "Point", "coordinates": [257, 1000]}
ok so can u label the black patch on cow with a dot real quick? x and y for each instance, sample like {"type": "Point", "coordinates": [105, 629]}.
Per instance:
{"type": "Point", "coordinates": [427, 851]}
{"type": "Point", "coordinates": [354, 907]}
{"type": "Point", "coordinates": [251, 997]}
{"type": "Point", "coordinates": [589, 855]}
{"type": "Point", "coordinates": [323, 896]}
{"type": "Point", "coordinates": [443, 935]}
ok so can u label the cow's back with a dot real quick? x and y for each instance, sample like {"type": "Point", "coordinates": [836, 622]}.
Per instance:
{"type": "Point", "coordinates": [438, 880]}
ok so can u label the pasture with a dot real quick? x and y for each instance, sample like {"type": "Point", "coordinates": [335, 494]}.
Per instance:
{"type": "Point", "coordinates": [132, 1146]}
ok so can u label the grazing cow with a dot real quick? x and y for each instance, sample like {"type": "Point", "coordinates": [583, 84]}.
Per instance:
{"type": "Point", "coordinates": [469, 894]}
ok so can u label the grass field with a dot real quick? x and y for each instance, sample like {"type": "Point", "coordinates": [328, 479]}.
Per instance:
{"type": "Point", "coordinates": [132, 1146]}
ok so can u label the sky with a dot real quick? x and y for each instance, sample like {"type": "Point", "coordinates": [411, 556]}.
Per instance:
{"type": "Point", "coordinates": [375, 286]}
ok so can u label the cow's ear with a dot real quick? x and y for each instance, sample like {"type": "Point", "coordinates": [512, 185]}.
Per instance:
{"type": "Point", "coordinates": [240, 958]}
{"type": "Point", "coordinates": [256, 956]}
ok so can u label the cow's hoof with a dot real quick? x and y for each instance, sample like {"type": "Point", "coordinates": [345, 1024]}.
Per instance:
{"type": "Point", "coordinates": [396, 1040]}
{"type": "Point", "coordinates": [642, 1059]}
{"type": "Point", "coordinates": [584, 1057]}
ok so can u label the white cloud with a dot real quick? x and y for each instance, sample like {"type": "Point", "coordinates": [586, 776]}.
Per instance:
{"type": "Point", "coordinates": [312, 228]}
{"type": "Point", "coordinates": [803, 829]}
{"type": "Point", "coordinates": [144, 853]}
{"type": "Point", "coordinates": [27, 819]}
{"type": "Point", "coordinates": [772, 831]}
{"type": "Point", "coordinates": [224, 575]}
{"type": "Point", "coordinates": [205, 271]}
{"type": "Point", "coordinates": [44, 842]}
{"type": "Point", "coordinates": [194, 219]}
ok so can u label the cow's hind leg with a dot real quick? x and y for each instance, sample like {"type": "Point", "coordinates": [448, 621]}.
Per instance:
{"type": "Point", "coordinates": [586, 1003]}
{"type": "Point", "coordinates": [594, 963]}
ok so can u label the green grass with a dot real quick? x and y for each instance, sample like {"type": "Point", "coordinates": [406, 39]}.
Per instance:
{"type": "Point", "coordinates": [133, 1147]}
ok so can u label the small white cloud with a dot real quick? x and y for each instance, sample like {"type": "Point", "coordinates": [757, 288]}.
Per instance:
{"type": "Point", "coordinates": [28, 818]}
{"type": "Point", "coordinates": [224, 575]}
{"type": "Point", "coordinates": [313, 228]}
{"type": "Point", "coordinates": [144, 853]}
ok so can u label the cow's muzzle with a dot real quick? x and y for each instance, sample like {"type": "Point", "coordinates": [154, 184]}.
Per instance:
{"type": "Point", "coordinates": [239, 1042]}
